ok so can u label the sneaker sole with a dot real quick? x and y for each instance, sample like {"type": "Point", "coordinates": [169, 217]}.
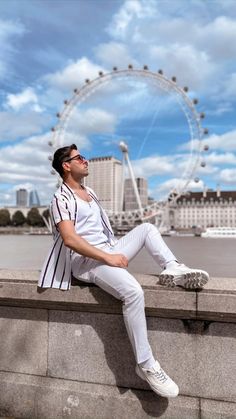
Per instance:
{"type": "Point", "coordinates": [191, 280]}
{"type": "Point", "coordinates": [159, 392]}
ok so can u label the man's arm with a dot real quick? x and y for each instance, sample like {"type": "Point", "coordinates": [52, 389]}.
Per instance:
{"type": "Point", "coordinates": [81, 246]}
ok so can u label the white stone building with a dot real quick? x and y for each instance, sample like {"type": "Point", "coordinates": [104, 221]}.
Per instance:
{"type": "Point", "coordinates": [105, 178]}
{"type": "Point", "coordinates": [205, 209]}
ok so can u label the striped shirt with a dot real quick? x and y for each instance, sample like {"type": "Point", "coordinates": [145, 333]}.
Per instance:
{"type": "Point", "coordinates": [56, 271]}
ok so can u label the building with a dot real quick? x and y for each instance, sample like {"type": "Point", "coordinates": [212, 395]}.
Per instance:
{"type": "Point", "coordinates": [34, 199]}
{"type": "Point", "coordinates": [105, 178]}
{"type": "Point", "coordinates": [205, 209]}
{"type": "Point", "coordinates": [130, 201]}
{"type": "Point", "coordinates": [21, 198]}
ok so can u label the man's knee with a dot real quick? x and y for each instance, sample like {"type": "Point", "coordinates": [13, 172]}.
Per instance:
{"type": "Point", "coordinates": [148, 227]}
{"type": "Point", "coordinates": [135, 294]}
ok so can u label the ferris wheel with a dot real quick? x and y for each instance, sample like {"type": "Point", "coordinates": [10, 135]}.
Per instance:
{"type": "Point", "coordinates": [186, 104]}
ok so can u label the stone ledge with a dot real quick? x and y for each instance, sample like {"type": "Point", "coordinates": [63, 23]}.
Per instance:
{"type": "Point", "coordinates": [216, 302]}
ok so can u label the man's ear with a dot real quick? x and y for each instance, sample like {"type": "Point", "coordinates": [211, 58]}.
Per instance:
{"type": "Point", "coordinates": [66, 166]}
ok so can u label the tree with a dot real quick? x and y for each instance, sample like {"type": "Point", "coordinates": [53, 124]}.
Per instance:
{"type": "Point", "coordinates": [46, 214]}
{"type": "Point", "coordinates": [34, 218]}
{"type": "Point", "coordinates": [5, 218]}
{"type": "Point", "coordinates": [18, 218]}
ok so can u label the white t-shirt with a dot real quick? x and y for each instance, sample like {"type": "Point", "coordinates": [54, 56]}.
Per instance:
{"type": "Point", "coordinates": [89, 224]}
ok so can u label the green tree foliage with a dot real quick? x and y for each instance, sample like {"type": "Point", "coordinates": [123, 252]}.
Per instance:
{"type": "Point", "coordinates": [46, 214]}
{"type": "Point", "coordinates": [5, 218]}
{"type": "Point", "coordinates": [18, 218]}
{"type": "Point", "coordinates": [34, 218]}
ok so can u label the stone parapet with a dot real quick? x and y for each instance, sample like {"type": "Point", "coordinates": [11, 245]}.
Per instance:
{"type": "Point", "coordinates": [67, 354]}
{"type": "Point", "coordinates": [216, 302]}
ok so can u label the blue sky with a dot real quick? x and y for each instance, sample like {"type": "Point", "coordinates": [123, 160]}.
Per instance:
{"type": "Point", "coordinates": [49, 47]}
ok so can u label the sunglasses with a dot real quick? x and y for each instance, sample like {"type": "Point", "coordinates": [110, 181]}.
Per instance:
{"type": "Point", "coordinates": [77, 157]}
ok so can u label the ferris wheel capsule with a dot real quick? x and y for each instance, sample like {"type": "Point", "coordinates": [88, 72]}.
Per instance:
{"type": "Point", "coordinates": [196, 180]}
{"type": "Point", "coordinates": [50, 158]}
{"type": "Point", "coordinates": [160, 71]}
{"type": "Point", "coordinates": [205, 131]}
{"type": "Point", "coordinates": [203, 164]}
{"type": "Point", "coordinates": [53, 172]}
{"type": "Point", "coordinates": [206, 147]}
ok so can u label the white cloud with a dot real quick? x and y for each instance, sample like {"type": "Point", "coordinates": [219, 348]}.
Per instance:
{"type": "Point", "coordinates": [155, 32]}
{"type": "Point", "coordinates": [119, 27]}
{"type": "Point", "coordinates": [151, 166]}
{"type": "Point", "coordinates": [216, 35]}
{"type": "Point", "coordinates": [84, 123]}
{"type": "Point", "coordinates": [221, 107]}
{"type": "Point", "coordinates": [223, 158]}
{"type": "Point", "coordinates": [27, 164]}
{"type": "Point", "coordinates": [9, 31]}
{"type": "Point", "coordinates": [228, 176]}
{"type": "Point", "coordinates": [92, 121]}
{"type": "Point", "coordinates": [115, 54]}
{"type": "Point", "coordinates": [184, 61]}
{"type": "Point", "coordinates": [14, 126]}
{"type": "Point", "coordinates": [20, 100]}
{"type": "Point", "coordinates": [229, 86]}
{"type": "Point", "coordinates": [74, 74]}
{"type": "Point", "coordinates": [175, 184]}
{"type": "Point", "coordinates": [225, 142]}
{"type": "Point", "coordinates": [28, 186]}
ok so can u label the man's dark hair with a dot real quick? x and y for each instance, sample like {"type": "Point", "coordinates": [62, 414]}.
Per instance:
{"type": "Point", "coordinates": [61, 155]}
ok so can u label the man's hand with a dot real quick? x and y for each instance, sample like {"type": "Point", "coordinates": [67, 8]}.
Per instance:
{"type": "Point", "coordinates": [117, 260]}
{"type": "Point", "coordinates": [72, 240]}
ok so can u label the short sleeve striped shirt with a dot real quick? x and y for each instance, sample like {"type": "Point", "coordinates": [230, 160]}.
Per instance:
{"type": "Point", "coordinates": [56, 271]}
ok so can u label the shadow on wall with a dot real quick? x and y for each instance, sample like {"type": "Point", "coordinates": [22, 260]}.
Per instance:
{"type": "Point", "coordinates": [94, 335]}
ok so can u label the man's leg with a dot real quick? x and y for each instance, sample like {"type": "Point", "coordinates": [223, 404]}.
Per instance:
{"type": "Point", "coordinates": [147, 235]}
{"type": "Point", "coordinates": [123, 286]}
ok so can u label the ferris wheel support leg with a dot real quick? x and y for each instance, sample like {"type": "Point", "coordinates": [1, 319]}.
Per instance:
{"type": "Point", "coordinates": [123, 183]}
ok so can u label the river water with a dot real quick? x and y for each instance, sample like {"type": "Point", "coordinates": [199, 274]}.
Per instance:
{"type": "Point", "coordinates": [217, 256]}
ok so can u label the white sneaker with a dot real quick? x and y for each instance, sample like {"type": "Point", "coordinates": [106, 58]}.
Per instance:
{"type": "Point", "coordinates": [158, 380]}
{"type": "Point", "coordinates": [181, 275]}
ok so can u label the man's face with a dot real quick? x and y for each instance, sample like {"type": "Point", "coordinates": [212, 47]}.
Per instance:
{"type": "Point", "coordinates": [76, 164]}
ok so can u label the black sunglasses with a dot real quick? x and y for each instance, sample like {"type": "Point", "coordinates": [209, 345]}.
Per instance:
{"type": "Point", "coordinates": [77, 157]}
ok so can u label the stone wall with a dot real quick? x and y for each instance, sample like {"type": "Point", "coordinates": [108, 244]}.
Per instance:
{"type": "Point", "coordinates": [67, 354]}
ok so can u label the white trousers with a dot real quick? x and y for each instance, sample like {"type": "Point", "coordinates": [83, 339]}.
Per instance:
{"type": "Point", "coordinates": [122, 285]}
